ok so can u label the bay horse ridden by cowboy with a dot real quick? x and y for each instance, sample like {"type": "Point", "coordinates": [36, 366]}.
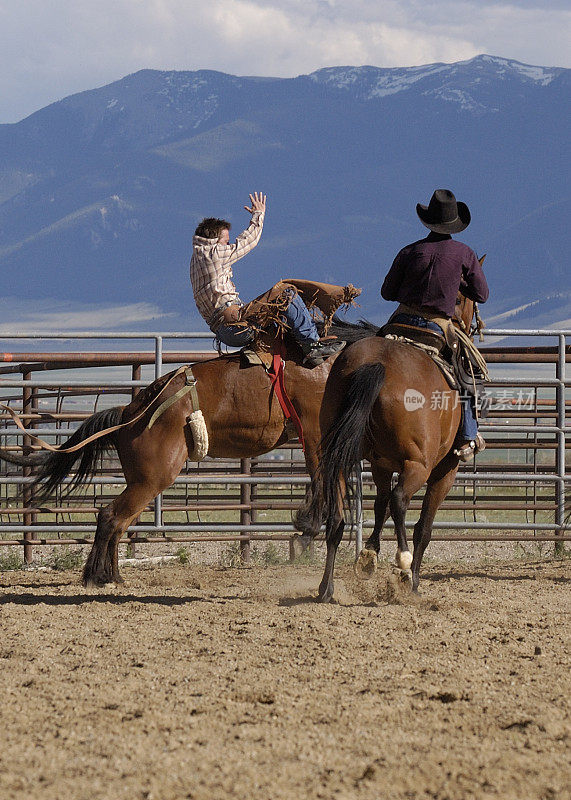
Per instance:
{"type": "Point", "coordinates": [364, 413]}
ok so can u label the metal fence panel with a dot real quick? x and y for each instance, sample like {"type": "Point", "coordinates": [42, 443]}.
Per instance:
{"type": "Point", "coordinates": [534, 487]}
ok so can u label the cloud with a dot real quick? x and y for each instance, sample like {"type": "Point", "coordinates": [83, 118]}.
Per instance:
{"type": "Point", "coordinates": [53, 49]}
{"type": "Point", "coordinates": [23, 316]}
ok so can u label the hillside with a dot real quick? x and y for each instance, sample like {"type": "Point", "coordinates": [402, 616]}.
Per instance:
{"type": "Point", "coordinates": [100, 192]}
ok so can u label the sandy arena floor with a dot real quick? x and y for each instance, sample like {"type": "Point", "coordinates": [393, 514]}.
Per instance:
{"type": "Point", "coordinates": [207, 683]}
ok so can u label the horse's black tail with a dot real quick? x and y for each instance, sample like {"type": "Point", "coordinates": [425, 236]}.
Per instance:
{"type": "Point", "coordinates": [341, 448]}
{"type": "Point", "coordinates": [57, 466]}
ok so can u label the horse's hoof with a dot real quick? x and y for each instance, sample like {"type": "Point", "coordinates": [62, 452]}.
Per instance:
{"type": "Point", "coordinates": [299, 544]}
{"type": "Point", "coordinates": [406, 577]}
{"type": "Point", "coordinates": [366, 564]}
{"type": "Point", "coordinates": [95, 583]}
{"type": "Point", "coordinates": [324, 594]}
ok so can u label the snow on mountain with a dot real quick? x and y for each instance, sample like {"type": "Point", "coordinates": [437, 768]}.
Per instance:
{"type": "Point", "coordinates": [505, 67]}
{"type": "Point", "coordinates": [439, 80]}
{"type": "Point", "coordinates": [553, 306]}
{"type": "Point", "coordinates": [376, 82]}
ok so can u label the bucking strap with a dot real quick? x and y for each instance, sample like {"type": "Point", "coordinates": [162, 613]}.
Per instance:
{"type": "Point", "coordinates": [190, 386]}
{"type": "Point", "coordinates": [195, 419]}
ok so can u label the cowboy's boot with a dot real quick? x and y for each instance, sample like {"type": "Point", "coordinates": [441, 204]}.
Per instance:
{"type": "Point", "coordinates": [468, 450]}
{"type": "Point", "coordinates": [316, 352]}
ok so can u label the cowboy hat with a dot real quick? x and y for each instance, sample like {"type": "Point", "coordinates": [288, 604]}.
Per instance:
{"type": "Point", "coordinates": [444, 214]}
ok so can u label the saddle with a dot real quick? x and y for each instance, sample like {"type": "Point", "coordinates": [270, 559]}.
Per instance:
{"type": "Point", "coordinates": [423, 336]}
{"type": "Point", "coordinates": [453, 352]}
{"type": "Point", "coordinates": [447, 339]}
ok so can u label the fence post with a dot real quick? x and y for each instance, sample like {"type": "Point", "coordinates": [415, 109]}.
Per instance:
{"type": "Point", "coordinates": [560, 466]}
{"type": "Point", "coordinates": [158, 373]}
{"type": "Point", "coordinates": [245, 513]}
{"type": "Point", "coordinates": [135, 376]}
{"type": "Point", "coordinates": [28, 406]}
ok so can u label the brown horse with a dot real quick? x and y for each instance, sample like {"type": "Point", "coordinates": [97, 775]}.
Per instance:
{"type": "Point", "coordinates": [243, 419]}
{"type": "Point", "coordinates": [364, 415]}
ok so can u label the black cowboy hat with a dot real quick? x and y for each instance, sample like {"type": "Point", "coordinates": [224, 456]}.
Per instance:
{"type": "Point", "coordinates": [444, 214]}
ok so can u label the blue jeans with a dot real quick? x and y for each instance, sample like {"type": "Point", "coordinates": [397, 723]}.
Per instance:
{"type": "Point", "coordinates": [417, 322]}
{"type": "Point", "coordinates": [296, 316]}
{"type": "Point", "coordinates": [234, 336]}
{"type": "Point", "coordinates": [469, 426]}
{"type": "Point", "coordinates": [299, 321]}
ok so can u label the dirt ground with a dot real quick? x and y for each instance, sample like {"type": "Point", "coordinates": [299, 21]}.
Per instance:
{"type": "Point", "coordinates": [206, 682]}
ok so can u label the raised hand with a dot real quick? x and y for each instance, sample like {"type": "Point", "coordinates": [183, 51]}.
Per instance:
{"type": "Point", "coordinates": [258, 202]}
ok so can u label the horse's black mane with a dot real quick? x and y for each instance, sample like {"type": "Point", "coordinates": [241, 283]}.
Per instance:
{"type": "Point", "coordinates": [350, 331]}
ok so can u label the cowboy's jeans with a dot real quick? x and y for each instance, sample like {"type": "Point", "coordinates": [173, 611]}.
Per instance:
{"type": "Point", "coordinates": [299, 321]}
{"type": "Point", "coordinates": [417, 322]}
{"type": "Point", "coordinates": [469, 426]}
{"type": "Point", "coordinates": [297, 317]}
{"type": "Point", "coordinates": [234, 336]}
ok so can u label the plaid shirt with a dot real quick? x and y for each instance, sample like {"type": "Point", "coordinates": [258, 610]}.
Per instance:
{"type": "Point", "coordinates": [211, 267]}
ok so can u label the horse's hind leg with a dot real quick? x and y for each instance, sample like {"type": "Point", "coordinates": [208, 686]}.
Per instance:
{"type": "Point", "coordinates": [439, 484]}
{"type": "Point", "coordinates": [308, 524]}
{"type": "Point", "coordinates": [151, 461]}
{"type": "Point", "coordinates": [383, 483]}
{"type": "Point", "coordinates": [410, 480]}
{"type": "Point", "coordinates": [367, 561]}
{"type": "Point", "coordinates": [334, 535]}
{"type": "Point", "coordinates": [97, 570]}
{"type": "Point", "coordinates": [102, 564]}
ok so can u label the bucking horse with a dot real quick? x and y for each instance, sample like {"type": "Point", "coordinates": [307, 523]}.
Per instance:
{"type": "Point", "coordinates": [223, 408]}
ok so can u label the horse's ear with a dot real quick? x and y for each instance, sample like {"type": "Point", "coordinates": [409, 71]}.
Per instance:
{"type": "Point", "coordinates": [481, 259]}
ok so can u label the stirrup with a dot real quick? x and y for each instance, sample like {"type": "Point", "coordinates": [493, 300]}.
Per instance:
{"type": "Point", "coordinates": [468, 450]}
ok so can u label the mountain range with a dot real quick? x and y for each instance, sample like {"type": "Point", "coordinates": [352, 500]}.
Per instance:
{"type": "Point", "coordinates": [100, 192]}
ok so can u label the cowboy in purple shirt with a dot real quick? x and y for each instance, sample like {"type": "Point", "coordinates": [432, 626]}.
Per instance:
{"type": "Point", "coordinates": [427, 276]}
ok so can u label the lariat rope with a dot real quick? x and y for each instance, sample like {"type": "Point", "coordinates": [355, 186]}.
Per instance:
{"type": "Point", "coordinates": [45, 446]}
{"type": "Point", "coordinates": [478, 357]}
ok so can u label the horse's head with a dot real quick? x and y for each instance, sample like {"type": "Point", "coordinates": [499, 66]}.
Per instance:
{"type": "Point", "coordinates": [465, 310]}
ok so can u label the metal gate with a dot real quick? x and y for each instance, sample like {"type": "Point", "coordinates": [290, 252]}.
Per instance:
{"type": "Point", "coordinates": [522, 477]}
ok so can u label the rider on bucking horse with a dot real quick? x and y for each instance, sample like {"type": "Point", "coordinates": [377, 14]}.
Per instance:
{"type": "Point", "coordinates": [217, 299]}
{"type": "Point", "coordinates": [425, 279]}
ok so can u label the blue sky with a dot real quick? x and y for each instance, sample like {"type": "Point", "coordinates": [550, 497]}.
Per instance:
{"type": "Point", "coordinates": [53, 49]}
